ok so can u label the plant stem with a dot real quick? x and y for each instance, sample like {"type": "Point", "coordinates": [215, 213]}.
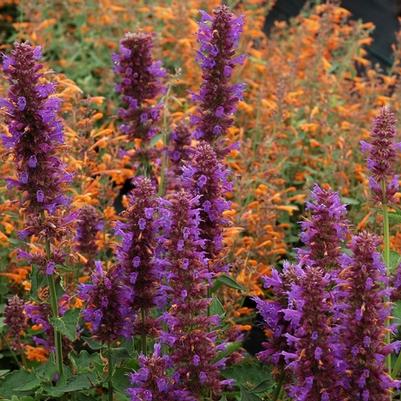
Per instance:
{"type": "Point", "coordinates": [386, 243]}
{"type": "Point", "coordinates": [279, 387]}
{"type": "Point", "coordinates": [143, 335]}
{"type": "Point", "coordinates": [110, 373]}
{"type": "Point", "coordinates": [54, 308]}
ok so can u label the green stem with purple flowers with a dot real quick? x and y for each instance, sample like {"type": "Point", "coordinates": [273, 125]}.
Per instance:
{"type": "Point", "coordinates": [58, 344]}
{"type": "Point", "coordinates": [386, 244]}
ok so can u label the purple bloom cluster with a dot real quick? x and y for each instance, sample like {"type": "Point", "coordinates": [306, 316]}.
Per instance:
{"type": "Point", "coordinates": [189, 330]}
{"type": "Point", "coordinates": [152, 381]}
{"type": "Point", "coordinates": [272, 312]}
{"type": "Point", "coordinates": [206, 177]}
{"type": "Point", "coordinates": [382, 153]}
{"type": "Point", "coordinates": [16, 321]}
{"type": "Point", "coordinates": [89, 223]}
{"type": "Point", "coordinates": [107, 305]}
{"type": "Point", "coordinates": [140, 84]}
{"type": "Point", "coordinates": [218, 37]}
{"type": "Point", "coordinates": [326, 229]}
{"type": "Point", "coordinates": [36, 132]}
{"type": "Point", "coordinates": [313, 361]}
{"type": "Point", "coordinates": [364, 313]}
{"type": "Point", "coordinates": [39, 314]}
{"type": "Point", "coordinates": [179, 151]}
{"type": "Point", "coordinates": [135, 254]}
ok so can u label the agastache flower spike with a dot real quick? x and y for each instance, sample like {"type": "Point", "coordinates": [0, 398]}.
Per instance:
{"type": "Point", "coordinates": [153, 382]}
{"type": "Point", "coordinates": [179, 151]}
{"type": "Point", "coordinates": [15, 319]}
{"type": "Point", "coordinates": [107, 305]}
{"type": "Point", "coordinates": [218, 37]}
{"type": "Point", "coordinates": [36, 132]}
{"type": "Point", "coordinates": [271, 310]}
{"type": "Point", "coordinates": [325, 230]}
{"type": "Point", "coordinates": [140, 83]}
{"type": "Point", "coordinates": [363, 324]}
{"type": "Point", "coordinates": [189, 330]}
{"type": "Point", "coordinates": [313, 362]}
{"type": "Point", "coordinates": [205, 176]}
{"type": "Point", "coordinates": [381, 153]}
{"type": "Point", "coordinates": [135, 254]}
{"type": "Point", "coordinates": [89, 223]}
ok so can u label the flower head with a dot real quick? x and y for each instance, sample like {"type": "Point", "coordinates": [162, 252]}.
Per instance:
{"type": "Point", "coordinates": [16, 321]}
{"type": "Point", "coordinates": [382, 153]}
{"type": "Point", "coordinates": [326, 229]}
{"type": "Point", "coordinates": [107, 305]}
{"type": "Point", "coordinates": [364, 312]}
{"type": "Point", "coordinates": [140, 82]}
{"type": "Point", "coordinates": [36, 132]}
{"type": "Point", "coordinates": [89, 224]}
{"type": "Point", "coordinates": [218, 37]}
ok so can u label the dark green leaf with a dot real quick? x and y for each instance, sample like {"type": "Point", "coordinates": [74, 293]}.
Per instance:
{"type": "Point", "coordinates": [228, 282]}
{"type": "Point", "coordinates": [248, 396]}
{"type": "Point", "coordinates": [67, 324]}
{"type": "Point", "coordinates": [18, 382]}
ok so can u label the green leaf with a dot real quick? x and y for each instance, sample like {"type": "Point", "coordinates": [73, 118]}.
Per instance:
{"type": "Point", "coordinates": [18, 382]}
{"type": "Point", "coordinates": [228, 282]}
{"type": "Point", "coordinates": [397, 312]}
{"type": "Point", "coordinates": [230, 348]}
{"type": "Point", "coordinates": [216, 307]}
{"type": "Point", "coordinates": [248, 396]}
{"type": "Point", "coordinates": [76, 383]}
{"type": "Point", "coordinates": [120, 379]}
{"type": "Point", "coordinates": [67, 324]}
{"type": "Point", "coordinates": [93, 344]}
{"type": "Point", "coordinates": [350, 201]}
{"type": "Point", "coordinates": [395, 260]}
{"type": "Point", "coordinates": [394, 218]}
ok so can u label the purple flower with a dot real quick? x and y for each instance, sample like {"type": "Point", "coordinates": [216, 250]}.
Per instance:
{"type": "Point", "coordinates": [189, 330]}
{"type": "Point", "coordinates": [325, 230]}
{"type": "Point", "coordinates": [218, 37]}
{"type": "Point", "coordinates": [15, 319]}
{"type": "Point", "coordinates": [140, 83]}
{"type": "Point", "coordinates": [39, 314]}
{"type": "Point", "coordinates": [135, 254]}
{"type": "Point", "coordinates": [36, 132]}
{"type": "Point", "coordinates": [206, 177]}
{"type": "Point", "coordinates": [313, 362]}
{"type": "Point", "coordinates": [88, 224]}
{"type": "Point", "coordinates": [381, 156]}
{"type": "Point", "coordinates": [179, 151]}
{"type": "Point", "coordinates": [107, 305]}
{"type": "Point", "coordinates": [364, 311]}
{"type": "Point", "coordinates": [153, 382]}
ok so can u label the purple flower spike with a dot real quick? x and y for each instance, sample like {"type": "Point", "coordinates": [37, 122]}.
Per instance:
{"type": "Point", "coordinates": [325, 231]}
{"type": "Point", "coordinates": [218, 37]}
{"type": "Point", "coordinates": [135, 254]}
{"type": "Point", "coordinates": [140, 82]}
{"type": "Point", "coordinates": [381, 156]}
{"type": "Point", "coordinates": [107, 305]}
{"type": "Point", "coordinates": [35, 130]}
{"type": "Point", "coordinates": [89, 223]}
{"type": "Point", "coordinates": [189, 330]}
{"type": "Point", "coordinates": [362, 330]}
{"type": "Point", "coordinates": [16, 321]}
{"type": "Point", "coordinates": [313, 362]}
{"type": "Point", "coordinates": [153, 382]}
{"type": "Point", "coordinates": [206, 177]}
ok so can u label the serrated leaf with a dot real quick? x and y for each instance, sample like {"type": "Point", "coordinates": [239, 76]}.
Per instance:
{"type": "Point", "coordinates": [16, 380]}
{"type": "Point", "coordinates": [248, 396]}
{"type": "Point", "coordinates": [228, 282]}
{"type": "Point", "coordinates": [67, 325]}
{"type": "Point", "coordinates": [216, 307]}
